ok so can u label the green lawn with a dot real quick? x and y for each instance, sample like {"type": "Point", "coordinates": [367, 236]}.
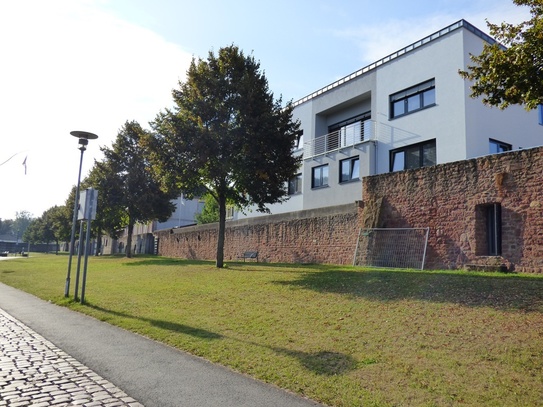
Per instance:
{"type": "Point", "coordinates": [339, 335]}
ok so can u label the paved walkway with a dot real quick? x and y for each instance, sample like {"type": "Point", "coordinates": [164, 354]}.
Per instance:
{"type": "Point", "coordinates": [34, 372]}
{"type": "Point", "coordinates": [53, 357]}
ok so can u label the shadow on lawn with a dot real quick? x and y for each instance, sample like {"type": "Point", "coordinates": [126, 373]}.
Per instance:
{"type": "Point", "coordinates": [168, 325]}
{"type": "Point", "coordinates": [324, 363]}
{"type": "Point", "coordinates": [502, 293]}
{"type": "Point", "coordinates": [166, 261]}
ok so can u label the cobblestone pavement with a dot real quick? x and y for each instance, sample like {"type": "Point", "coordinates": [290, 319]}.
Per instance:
{"type": "Point", "coordinates": [34, 372]}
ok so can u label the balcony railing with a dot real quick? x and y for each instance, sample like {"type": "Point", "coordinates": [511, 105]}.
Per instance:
{"type": "Point", "coordinates": [358, 133]}
{"type": "Point", "coordinates": [348, 136]}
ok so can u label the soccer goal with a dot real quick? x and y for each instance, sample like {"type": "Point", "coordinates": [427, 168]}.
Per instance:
{"type": "Point", "coordinates": [392, 247]}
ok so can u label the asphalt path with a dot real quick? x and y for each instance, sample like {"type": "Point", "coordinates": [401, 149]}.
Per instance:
{"type": "Point", "coordinates": [152, 373]}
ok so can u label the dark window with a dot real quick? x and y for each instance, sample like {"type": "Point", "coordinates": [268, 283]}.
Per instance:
{"type": "Point", "coordinates": [295, 185]}
{"type": "Point", "coordinates": [347, 132]}
{"type": "Point", "coordinates": [413, 99]}
{"type": "Point", "coordinates": [413, 156]}
{"type": "Point", "coordinates": [319, 176]}
{"type": "Point", "coordinates": [494, 229]}
{"type": "Point", "coordinates": [298, 141]}
{"type": "Point", "coordinates": [498, 147]}
{"type": "Point", "coordinates": [540, 114]}
{"type": "Point", "coordinates": [349, 169]}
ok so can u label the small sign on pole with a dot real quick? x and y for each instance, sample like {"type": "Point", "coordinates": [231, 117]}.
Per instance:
{"type": "Point", "coordinates": [87, 204]}
{"type": "Point", "coordinates": [86, 212]}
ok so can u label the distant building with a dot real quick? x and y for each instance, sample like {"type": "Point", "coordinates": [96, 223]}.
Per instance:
{"type": "Point", "coordinates": [142, 238]}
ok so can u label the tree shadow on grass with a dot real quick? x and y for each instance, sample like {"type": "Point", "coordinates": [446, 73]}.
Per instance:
{"type": "Point", "coordinates": [510, 293]}
{"type": "Point", "coordinates": [168, 261]}
{"type": "Point", "coordinates": [323, 363]}
{"type": "Point", "coordinates": [167, 325]}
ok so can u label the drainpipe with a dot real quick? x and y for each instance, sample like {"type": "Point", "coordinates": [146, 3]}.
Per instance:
{"type": "Point", "coordinates": [375, 145]}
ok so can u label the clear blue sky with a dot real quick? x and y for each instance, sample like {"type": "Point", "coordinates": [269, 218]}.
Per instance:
{"type": "Point", "coordinates": [93, 64]}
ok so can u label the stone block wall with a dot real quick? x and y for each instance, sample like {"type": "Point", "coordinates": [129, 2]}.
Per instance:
{"type": "Point", "coordinates": [325, 235]}
{"type": "Point", "coordinates": [452, 199]}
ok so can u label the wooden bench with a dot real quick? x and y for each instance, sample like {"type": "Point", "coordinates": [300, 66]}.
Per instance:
{"type": "Point", "coordinates": [249, 255]}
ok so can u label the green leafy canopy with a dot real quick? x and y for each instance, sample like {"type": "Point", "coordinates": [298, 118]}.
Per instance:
{"type": "Point", "coordinates": [511, 71]}
{"type": "Point", "coordinates": [226, 135]}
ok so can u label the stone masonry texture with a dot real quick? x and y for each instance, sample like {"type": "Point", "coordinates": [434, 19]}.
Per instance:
{"type": "Point", "coordinates": [449, 198]}
{"type": "Point", "coordinates": [319, 236]}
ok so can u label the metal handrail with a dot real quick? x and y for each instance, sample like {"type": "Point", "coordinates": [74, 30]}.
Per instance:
{"type": "Point", "coordinates": [358, 133]}
{"type": "Point", "coordinates": [346, 137]}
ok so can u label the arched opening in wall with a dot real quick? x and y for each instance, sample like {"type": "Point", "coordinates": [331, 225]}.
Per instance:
{"type": "Point", "coordinates": [488, 230]}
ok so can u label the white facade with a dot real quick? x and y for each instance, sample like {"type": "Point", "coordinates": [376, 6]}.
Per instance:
{"type": "Point", "coordinates": [184, 214]}
{"type": "Point", "coordinates": [360, 118]}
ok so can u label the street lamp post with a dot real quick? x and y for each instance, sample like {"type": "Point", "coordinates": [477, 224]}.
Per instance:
{"type": "Point", "coordinates": [84, 138]}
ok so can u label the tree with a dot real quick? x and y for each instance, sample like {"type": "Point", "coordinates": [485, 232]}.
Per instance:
{"type": "Point", "coordinates": [6, 226]}
{"type": "Point", "coordinates": [210, 211]}
{"type": "Point", "coordinates": [21, 222]}
{"type": "Point", "coordinates": [53, 225]}
{"type": "Point", "coordinates": [511, 73]}
{"type": "Point", "coordinates": [130, 192]}
{"type": "Point", "coordinates": [226, 135]}
{"type": "Point", "coordinates": [111, 216]}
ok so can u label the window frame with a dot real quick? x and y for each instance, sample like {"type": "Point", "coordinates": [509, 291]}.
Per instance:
{"type": "Point", "coordinates": [298, 143]}
{"type": "Point", "coordinates": [321, 178]}
{"type": "Point", "coordinates": [417, 93]}
{"type": "Point", "coordinates": [499, 144]}
{"type": "Point", "coordinates": [421, 150]}
{"type": "Point", "coordinates": [347, 132]}
{"type": "Point", "coordinates": [230, 211]}
{"type": "Point", "coordinates": [297, 180]}
{"type": "Point", "coordinates": [351, 162]}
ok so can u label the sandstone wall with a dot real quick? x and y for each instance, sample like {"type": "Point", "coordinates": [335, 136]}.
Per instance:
{"type": "Point", "coordinates": [450, 199]}
{"type": "Point", "coordinates": [325, 235]}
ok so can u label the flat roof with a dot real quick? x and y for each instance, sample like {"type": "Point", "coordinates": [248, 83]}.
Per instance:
{"type": "Point", "coordinates": [432, 37]}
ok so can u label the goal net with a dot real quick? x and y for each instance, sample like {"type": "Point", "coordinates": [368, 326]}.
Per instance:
{"type": "Point", "coordinates": [392, 247]}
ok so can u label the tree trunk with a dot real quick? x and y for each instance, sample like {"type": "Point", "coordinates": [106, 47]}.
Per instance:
{"type": "Point", "coordinates": [129, 239]}
{"type": "Point", "coordinates": [98, 243]}
{"type": "Point", "coordinates": [222, 226]}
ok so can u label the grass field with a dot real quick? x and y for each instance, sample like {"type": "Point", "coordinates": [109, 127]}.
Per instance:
{"type": "Point", "coordinates": [339, 335]}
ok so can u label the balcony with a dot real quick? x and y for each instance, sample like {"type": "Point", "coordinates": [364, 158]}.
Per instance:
{"type": "Point", "coordinates": [358, 133]}
{"type": "Point", "coordinates": [348, 136]}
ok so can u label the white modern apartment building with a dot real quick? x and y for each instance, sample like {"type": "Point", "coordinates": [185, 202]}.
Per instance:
{"type": "Point", "coordinates": [409, 109]}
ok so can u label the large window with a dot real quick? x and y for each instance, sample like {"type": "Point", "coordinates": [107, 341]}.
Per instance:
{"type": "Point", "coordinates": [413, 99]}
{"type": "Point", "coordinates": [347, 132]}
{"type": "Point", "coordinates": [319, 176]}
{"type": "Point", "coordinates": [295, 185]}
{"type": "Point", "coordinates": [498, 147]}
{"type": "Point", "coordinates": [413, 156]}
{"type": "Point", "coordinates": [349, 169]}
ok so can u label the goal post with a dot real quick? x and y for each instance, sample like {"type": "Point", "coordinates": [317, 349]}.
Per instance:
{"type": "Point", "coordinates": [391, 247]}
